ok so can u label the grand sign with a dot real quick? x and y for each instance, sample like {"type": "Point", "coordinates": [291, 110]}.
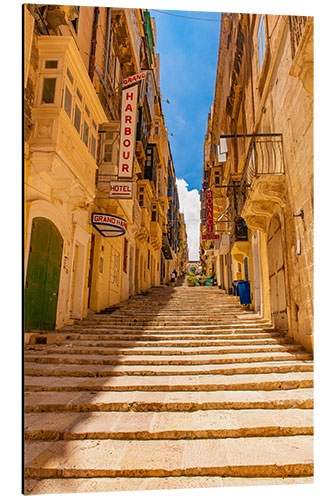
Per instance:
{"type": "Point", "coordinates": [109, 225]}
{"type": "Point", "coordinates": [134, 79]}
{"type": "Point", "coordinates": [129, 106]}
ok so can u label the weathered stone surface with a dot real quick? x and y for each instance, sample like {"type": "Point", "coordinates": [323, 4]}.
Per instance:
{"type": "Point", "coordinates": [174, 403]}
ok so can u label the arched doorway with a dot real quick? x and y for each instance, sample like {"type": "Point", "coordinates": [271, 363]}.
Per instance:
{"type": "Point", "coordinates": [43, 275]}
{"type": "Point", "coordinates": [277, 280]}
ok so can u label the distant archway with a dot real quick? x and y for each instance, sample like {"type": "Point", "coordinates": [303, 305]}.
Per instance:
{"type": "Point", "coordinates": [193, 264]}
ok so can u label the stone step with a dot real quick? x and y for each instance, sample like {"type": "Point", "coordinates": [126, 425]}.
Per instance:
{"type": "Point", "coordinates": [204, 342]}
{"type": "Point", "coordinates": [211, 424]}
{"type": "Point", "coordinates": [249, 382]}
{"type": "Point", "coordinates": [238, 457]}
{"type": "Point", "coordinates": [181, 323]}
{"type": "Point", "coordinates": [63, 370]}
{"type": "Point", "coordinates": [99, 485]}
{"type": "Point", "coordinates": [56, 338]}
{"type": "Point", "coordinates": [158, 329]}
{"type": "Point", "coordinates": [83, 401]}
{"type": "Point", "coordinates": [130, 313]}
{"type": "Point", "coordinates": [198, 359]}
{"type": "Point", "coordinates": [166, 351]}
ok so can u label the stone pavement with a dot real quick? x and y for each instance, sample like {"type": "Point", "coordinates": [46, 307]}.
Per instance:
{"type": "Point", "coordinates": [178, 388]}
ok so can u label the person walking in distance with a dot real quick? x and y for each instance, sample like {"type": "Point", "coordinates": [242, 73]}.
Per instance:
{"type": "Point", "coordinates": [173, 277]}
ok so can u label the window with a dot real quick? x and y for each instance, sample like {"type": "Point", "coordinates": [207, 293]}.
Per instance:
{"type": "Point", "coordinates": [77, 118]}
{"type": "Point", "coordinates": [85, 133]}
{"type": "Point", "coordinates": [51, 64]}
{"type": "Point", "coordinates": [141, 200]}
{"type": "Point", "coordinates": [93, 146]}
{"type": "Point", "coordinates": [78, 93]}
{"type": "Point", "coordinates": [68, 102]}
{"type": "Point", "coordinates": [70, 76]}
{"type": "Point", "coordinates": [261, 41]}
{"type": "Point", "coordinates": [101, 263]}
{"type": "Point", "coordinates": [217, 178]}
{"type": "Point", "coordinates": [109, 148]}
{"type": "Point", "coordinates": [48, 90]}
{"type": "Point", "coordinates": [125, 255]}
{"type": "Point", "coordinates": [107, 153]}
{"type": "Point", "coordinates": [115, 276]}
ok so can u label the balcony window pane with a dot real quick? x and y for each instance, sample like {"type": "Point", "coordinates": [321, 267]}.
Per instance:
{"type": "Point", "coordinates": [70, 76]}
{"type": "Point", "coordinates": [48, 90]}
{"type": "Point", "coordinates": [51, 64]}
{"type": "Point", "coordinates": [68, 102]}
{"type": "Point", "coordinates": [108, 153]}
{"type": "Point", "coordinates": [77, 118]}
{"type": "Point", "coordinates": [78, 93]}
{"type": "Point", "coordinates": [93, 146]}
{"type": "Point", "coordinates": [85, 133]}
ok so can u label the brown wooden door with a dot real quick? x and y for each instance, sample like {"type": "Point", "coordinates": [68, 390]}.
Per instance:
{"type": "Point", "coordinates": [277, 275]}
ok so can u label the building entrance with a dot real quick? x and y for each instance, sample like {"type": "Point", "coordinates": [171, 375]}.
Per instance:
{"type": "Point", "coordinates": [43, 275]}
{"type": "Point", "coordinates": [277, 275]}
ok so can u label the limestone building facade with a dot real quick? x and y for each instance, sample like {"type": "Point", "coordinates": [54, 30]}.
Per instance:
{"type": "Point", "coordinates": [77, 63]}
{"type": "Point", "coordinates": [258, 167]}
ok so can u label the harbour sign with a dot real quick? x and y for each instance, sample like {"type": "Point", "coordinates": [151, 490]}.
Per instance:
{"type": "Point", "coordinates": [109, 226]}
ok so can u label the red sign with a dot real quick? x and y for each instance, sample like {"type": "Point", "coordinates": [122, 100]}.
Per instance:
{"type": "Point", "coordinates": [209, 210]}
{"type": "Point", "coordinates": [134, 79]}
{"type": "Point", "coordinates": [210, 236]}
{"type": "Point", "coordinates": [129, 107]}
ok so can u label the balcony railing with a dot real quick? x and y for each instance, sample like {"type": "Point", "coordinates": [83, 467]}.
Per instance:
{"type": "Point", "coordinates": [265, 156]}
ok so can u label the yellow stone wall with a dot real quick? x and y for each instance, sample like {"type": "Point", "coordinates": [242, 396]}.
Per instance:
{"type": "Point", "coordinates": [277, 99]}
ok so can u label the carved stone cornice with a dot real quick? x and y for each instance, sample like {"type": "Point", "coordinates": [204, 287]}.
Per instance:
{"type": "Point", "coordinates": [266, 195]}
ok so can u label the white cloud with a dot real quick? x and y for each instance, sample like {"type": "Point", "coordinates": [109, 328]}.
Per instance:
{"type": "Point", "coordinates": [190, 206]}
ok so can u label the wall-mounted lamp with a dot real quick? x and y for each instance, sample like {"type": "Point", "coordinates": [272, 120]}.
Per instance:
{"type": "Point", "coordinates": [301, 214]}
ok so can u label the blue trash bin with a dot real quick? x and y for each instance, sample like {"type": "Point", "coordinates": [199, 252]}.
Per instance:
{"type": "Point", "coordinates": [244, 292]}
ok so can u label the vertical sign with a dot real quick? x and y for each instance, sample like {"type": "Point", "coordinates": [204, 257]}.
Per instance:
{"type": "Point", "coordinates": [129, 105]}
{"type": "Point", "coordinates": [209, 208]}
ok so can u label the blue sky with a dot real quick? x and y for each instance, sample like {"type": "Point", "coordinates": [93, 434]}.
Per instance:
{"type": "Point", "coordinates": [188, 53]}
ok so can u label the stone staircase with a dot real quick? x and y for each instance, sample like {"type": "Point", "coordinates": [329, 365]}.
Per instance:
{"type": "Point", "coordinates": [179, 388]}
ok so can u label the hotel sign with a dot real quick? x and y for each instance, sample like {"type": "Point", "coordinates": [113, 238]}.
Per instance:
{"type": "Point", "coordinates": [121, 190]}
{"type": "Point", "coordinates": [210, 236]}
{"type": "Point", "coordinates": [109, 226]}
{"type": "Point", "coordinates": [209, 211]}
{"type": "Point", "coordinates": [129, 105]}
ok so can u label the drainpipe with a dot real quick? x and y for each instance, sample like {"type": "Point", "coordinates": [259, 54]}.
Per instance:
{"type": "Point", "coordinates": [93, 44]}
{"type": "Point", "coordinates": [106, 67]}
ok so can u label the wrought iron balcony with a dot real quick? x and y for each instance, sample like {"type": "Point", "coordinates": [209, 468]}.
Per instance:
{"type": "Point", "coordinates": [264, 156]}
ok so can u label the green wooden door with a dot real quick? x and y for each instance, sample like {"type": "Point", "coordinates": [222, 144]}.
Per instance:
{"type": "Point", "coordinates": [43, 275]}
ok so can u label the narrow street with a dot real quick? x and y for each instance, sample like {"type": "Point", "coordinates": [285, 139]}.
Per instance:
{"type": "Point", "coordinates": [177, 388]}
